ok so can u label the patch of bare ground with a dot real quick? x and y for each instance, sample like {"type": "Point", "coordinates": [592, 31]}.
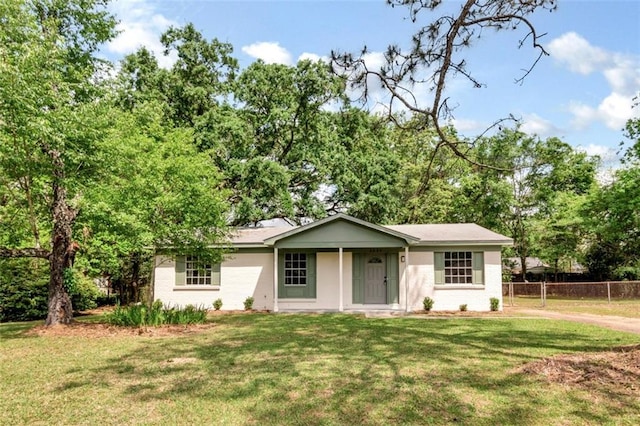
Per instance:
{"type": "Point", "coordinates": [96, 330]}
{"type": "Point", "coordinates": [616, 371]}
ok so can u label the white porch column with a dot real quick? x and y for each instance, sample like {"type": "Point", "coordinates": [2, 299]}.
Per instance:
{"type": "Point", "coordinates": [340, 281]}
{"type": "Point", "coordinates": [406, 278]}
{"type": "Point", "coordinates": [275, 279]}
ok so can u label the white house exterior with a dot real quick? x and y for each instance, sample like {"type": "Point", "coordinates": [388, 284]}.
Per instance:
{"type": "Point", "coordinates": [343, 264]}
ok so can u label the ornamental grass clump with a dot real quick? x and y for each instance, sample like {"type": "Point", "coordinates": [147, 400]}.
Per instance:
{"type": "Point", "coordinates": [140, 315]}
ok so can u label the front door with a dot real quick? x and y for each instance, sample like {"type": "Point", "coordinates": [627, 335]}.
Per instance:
{"type": "Point", "coordinates": [375, 278]}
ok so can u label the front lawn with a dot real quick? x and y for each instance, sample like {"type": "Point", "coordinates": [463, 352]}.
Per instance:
{"type": "Point", "coordinates": [629, 308]}
{"type": "Point", "coordinates": [309, 369]}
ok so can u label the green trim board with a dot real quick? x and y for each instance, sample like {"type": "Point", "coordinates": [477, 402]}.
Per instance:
{"type": "Point", "coordinates": [340, 233]}
{"type": "Point", "coordinates": [326, 223]}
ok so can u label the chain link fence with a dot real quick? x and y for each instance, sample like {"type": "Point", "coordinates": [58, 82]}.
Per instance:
{"type": "Point", "coordinates": [606, 290]}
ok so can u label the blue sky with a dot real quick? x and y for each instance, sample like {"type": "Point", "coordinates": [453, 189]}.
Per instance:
{"type": "Point", "coordinates": [582, 93]}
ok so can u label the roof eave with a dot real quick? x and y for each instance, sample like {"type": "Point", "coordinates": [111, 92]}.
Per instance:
{"type": "Point", "coordinates": [507, 243]}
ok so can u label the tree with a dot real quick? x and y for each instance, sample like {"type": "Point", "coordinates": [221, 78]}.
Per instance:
{"type": "Point", "coordinates": [49, 124]}
{"type": "Point", "coordinates": [436, 55]}
{"type": "Point", "coordinates": [155, 192]}
{"type": "Point", "coordinates": [612, 214]}
{"type": "Point", "coordinates": [525, 188]}
{"type": "Point", "coordinates": [283, 160]}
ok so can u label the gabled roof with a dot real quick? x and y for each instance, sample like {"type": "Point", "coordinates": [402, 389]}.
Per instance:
{"type": "Point", "coordinates": [422, 235]}
{"type": "Point", "coordinates": [346, 218]}
{"type": "Point", "coordinates": [452, 233]}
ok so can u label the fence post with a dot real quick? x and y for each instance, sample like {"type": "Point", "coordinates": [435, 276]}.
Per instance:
{"type": "Point", "coordinates": [542, 293]}
{"type": "Point", "coordinates": [511, 293]}
{"type": "Point", "coordinates": [609, 292]}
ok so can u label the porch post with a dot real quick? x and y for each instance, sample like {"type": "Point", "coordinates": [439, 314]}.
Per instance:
{"type": "Point", "coordinates": [340, 281]}
{"type": "Point", "coordinates": [275, 279]}
{"type": "Point", "coordinates": [406, 278]}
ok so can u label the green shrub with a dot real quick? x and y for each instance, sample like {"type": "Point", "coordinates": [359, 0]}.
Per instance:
{"type": "Point", "coordinates": [427, 302]}
{"type": "Point", "coordinates": [248, 303]}
{"type": "Point", "coordinates": [85, 293]}
{"type": "Point", "coordinates": [463, 307]}
{"type": "Point", "coordinates": [495, 303]}
{"type": "Point", "coordinates": [217, 304]}
{"type": "Point", "coordinates": [104, 300]}
{"type": "Point", "coordinates": [140, 315]}
{"type": "Point", "coordinates": [24, 289]}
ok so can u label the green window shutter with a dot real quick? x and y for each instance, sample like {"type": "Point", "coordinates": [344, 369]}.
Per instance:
{"type": "Point", "coordinates": [310, 290]}
{"type": "Point", "coordinates": [215, 274]}
{"type": "Point", "coordinates": [281, 288]}
{"type": "Point", "coordinates": [358, 278]}
{"type": "Point", "coordinates": [392, 277]}
{"type": "Point", "coordinates": [181, 274]}
{"type": "Point", "coordinates": [438, 260]}
{"type": "Point", "coordinates": [478, 267]}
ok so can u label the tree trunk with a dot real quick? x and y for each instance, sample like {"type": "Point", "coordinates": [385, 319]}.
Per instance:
{"type": "Point", "coordinates": [523, 263]}
{"type": "Point", "coordinates": [62, 251]}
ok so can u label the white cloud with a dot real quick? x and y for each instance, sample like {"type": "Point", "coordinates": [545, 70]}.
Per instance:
{"type": "Point", "coordinates": [604, 152]}
{"type": "Point", "coordinates": [313, 57]}
{"type": "Point", "coordinates": [577, 54]}
{"type": "Point", "coordinates": [269, 52]}
{"type": "Point", "coordinates": [464, 125]}
{"type": "Point", "coordinates": [533, 124]}
{"type": "Point", "coordinates": [140, 25]}
{"type": "Point", "coordinates": [621, 71]}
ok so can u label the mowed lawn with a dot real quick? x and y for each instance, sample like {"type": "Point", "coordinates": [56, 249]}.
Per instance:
{"type": "Point", "coordinates": [308, 369]}
{"type": "Point", "coordinates": [629, 308]}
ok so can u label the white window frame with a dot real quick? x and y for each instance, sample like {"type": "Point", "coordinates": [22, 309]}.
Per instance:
{"type": "Point", "coordinates": [458, 267]}
{"type": "Point", "coordinates": [295, 269]}
{"type": "Point", "coordinates": [197, 272]}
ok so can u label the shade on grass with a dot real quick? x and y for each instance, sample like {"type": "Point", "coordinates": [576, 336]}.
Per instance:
{"type": "Point", "coordinates": [308, 369]}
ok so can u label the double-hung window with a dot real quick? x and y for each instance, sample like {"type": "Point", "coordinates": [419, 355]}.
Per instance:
{"type": "Point", "coordinates": [459, 267]}
{"type": "Point", "coordinates": [193, 271]}
{"type": "Point", "coordinates": [197, 272]}
{"type": "Point", "coordinates": [295, 269]}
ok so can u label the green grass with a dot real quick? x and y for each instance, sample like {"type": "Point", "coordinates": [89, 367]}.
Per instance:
{"type": "Point", "coordinates": [629, 308]}
{"type": "Point", "coordinates": [308, 369]}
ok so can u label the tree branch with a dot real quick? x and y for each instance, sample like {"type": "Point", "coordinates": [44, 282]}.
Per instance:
{"type": "Point", "coordinates": [24, 252]}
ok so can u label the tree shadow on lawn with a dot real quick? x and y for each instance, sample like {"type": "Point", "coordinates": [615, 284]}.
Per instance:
{"type": "Point", "coordinates": [17, 330]}
{"type": "Point", "coordinates": [312, 369]}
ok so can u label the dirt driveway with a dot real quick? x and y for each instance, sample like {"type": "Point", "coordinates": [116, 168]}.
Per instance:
{"type": "Point", "coordinates": [631, 325]}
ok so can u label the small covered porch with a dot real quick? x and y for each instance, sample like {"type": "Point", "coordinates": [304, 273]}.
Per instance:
{"type": "Point", "coordinates": [340, 264]}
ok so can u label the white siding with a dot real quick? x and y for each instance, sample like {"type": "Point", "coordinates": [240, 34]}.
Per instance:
{"type": "Point", "coordinates": [241, 275]}
{"type": "Point", "coordinates": [449, 298]}
{"type": "Point", "coordinates": [327, 284]}
{"type": "Point", "coordinates": [251, 274]}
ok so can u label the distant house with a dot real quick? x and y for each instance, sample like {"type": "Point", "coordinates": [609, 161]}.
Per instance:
{"type": "Point", "coordinates": [341, 263]}
{"type": "Point", "coordinates": [539, 270]}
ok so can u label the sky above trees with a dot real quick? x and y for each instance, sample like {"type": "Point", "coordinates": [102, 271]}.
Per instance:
{"type": "Point", "coordinates": [582, 93]}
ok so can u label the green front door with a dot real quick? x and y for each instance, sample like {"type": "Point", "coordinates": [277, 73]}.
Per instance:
{"type": "Point", "coordinates": [375, 279]}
